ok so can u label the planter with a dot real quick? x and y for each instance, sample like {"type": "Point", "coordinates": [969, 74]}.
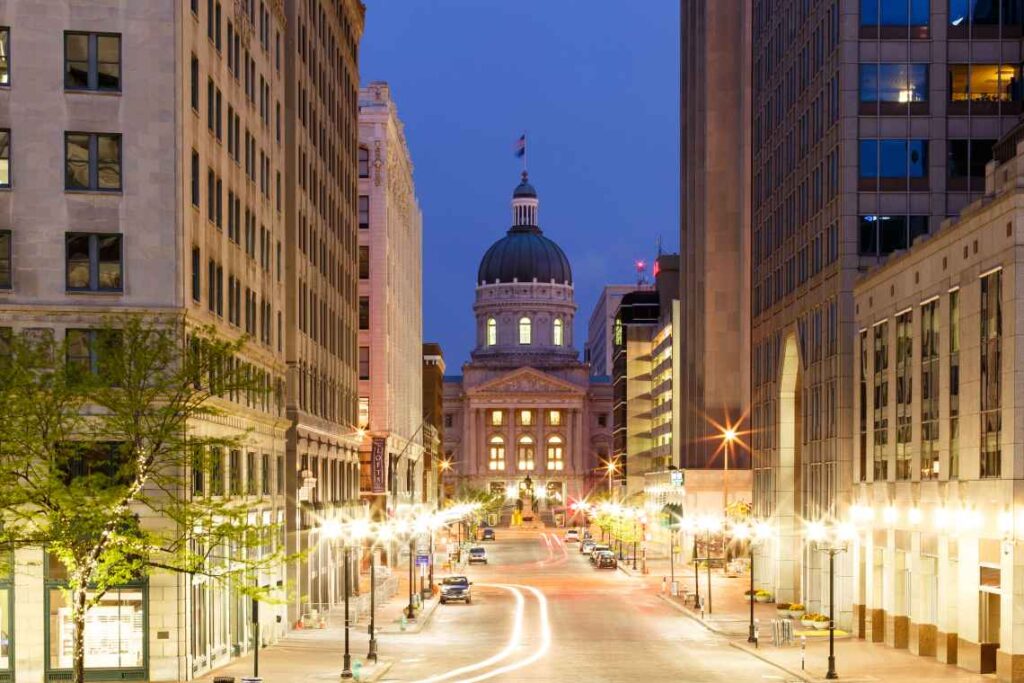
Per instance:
{"type": "Point", "coordinates": [796, 613]}
{"type": "Point", "coordinates": [762, 598]}
{"type": "Point", "coordinates": [808, 623]}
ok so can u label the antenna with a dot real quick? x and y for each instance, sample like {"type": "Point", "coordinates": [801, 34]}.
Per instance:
{"type": "Point", "coordinates": [641, 272]}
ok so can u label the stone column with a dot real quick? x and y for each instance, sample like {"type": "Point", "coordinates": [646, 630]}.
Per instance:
{"type": "Point", "coordinates": [946, 634]}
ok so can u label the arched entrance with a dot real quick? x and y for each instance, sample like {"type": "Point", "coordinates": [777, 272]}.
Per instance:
{"type": "Point", "coordinates": [787, 481]}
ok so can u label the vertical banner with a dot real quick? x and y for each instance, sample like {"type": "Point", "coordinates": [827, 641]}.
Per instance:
{"type": "Point", "coordinates": [377, 464]}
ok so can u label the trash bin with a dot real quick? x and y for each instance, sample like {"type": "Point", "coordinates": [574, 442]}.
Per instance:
{"type": "Point", "coordinates": [223, 679]}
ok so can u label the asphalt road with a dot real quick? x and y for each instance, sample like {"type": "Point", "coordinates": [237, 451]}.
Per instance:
{"type": "Point", "coordinates": [541, 612]}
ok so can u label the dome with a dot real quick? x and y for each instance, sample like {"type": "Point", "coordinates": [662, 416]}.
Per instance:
{"type": "Point", "coordinates": [524, 189]}
{"type": "Point", "coordinates": [524, 254]}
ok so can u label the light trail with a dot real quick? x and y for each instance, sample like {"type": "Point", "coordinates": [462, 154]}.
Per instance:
{"type": "Point", "coordinates": [545, 626]}
{"type": "Point", "coordinates": [507, 651]}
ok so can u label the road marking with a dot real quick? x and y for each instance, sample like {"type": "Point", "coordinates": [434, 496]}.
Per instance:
{"type": "Point", "coordinates": [510, 647]}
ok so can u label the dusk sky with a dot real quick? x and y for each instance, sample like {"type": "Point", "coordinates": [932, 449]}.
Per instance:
{"type": "Point", "coordinates": [593, 83]}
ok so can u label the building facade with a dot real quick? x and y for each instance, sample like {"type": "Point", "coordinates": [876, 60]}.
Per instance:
{"type": "Point", "coordinates": [870, 127]}
{"type": "Point", "coordinates": [598, 349]}
{"type": "Point", "coordinates": [390, 307]}
{"type": "Point", "coordinates": [319, 57]}
{"type": "Point", "coordinates": [937, 556]}
{"type": "Point", "coordinates": [435, 463]}
{"type": "Point", "coordinates": [525, 418]}
{"type": "Point", "coordinates": [715, 227]}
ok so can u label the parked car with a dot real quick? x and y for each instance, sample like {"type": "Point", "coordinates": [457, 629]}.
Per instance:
{"type": "Point", "coordinates": [572, 536]}
{"type": "Point", "coordinates": [597, 549]}
{"type": "Point", "coordinates": [478, 554]}
{"type": "Point", "coordinates": [587, 546]}
{"type": "Point", "coordinates": [487, 535]}
{"type": "Point", "coordinates": [606, 560]}
{"type": "Point", "coordinates": [456, 588]}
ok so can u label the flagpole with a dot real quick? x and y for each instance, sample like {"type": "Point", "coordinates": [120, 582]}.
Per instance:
{"type": "Point", "coordinates": [524, 151]}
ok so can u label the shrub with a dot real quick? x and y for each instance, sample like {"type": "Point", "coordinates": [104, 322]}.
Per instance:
{"type": "Point", "coordinates": [782, 606]}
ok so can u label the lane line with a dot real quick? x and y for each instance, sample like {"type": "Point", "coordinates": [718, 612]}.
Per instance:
{"type": "Point", "coordinates": [545, 625]}
{"type": "Point", "coordinates": [507, 651]}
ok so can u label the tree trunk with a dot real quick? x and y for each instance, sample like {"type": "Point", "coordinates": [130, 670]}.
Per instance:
{"type": "Point", "coordinates": [78, 596]}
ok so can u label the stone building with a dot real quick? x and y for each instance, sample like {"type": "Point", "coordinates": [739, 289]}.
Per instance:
{"type": "Point", "coordinates": [598, 349]}
{"type": "Point", "coordinates": [525, 417]}
{"type": "Point", "coordinates": [936, 498]}
{"type": "Point", "coordinates": [319, 127]}
{"type": "Point", "coordinates": [149, 162]}
{"type": "Point", "coordinates": [390, 307]}
{"type": "Point", "coordinates": [870, 125]}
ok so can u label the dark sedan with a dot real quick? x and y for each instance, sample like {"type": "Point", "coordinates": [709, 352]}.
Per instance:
{"type": "Point", "coordinates": [606, 560]}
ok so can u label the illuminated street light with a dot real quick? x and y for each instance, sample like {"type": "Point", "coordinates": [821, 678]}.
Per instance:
{"type": "Point", "coordinates": [833, 540]}
{"type": "Point", "coordinates": [754, 534]}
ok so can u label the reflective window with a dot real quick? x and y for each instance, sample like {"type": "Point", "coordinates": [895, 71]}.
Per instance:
{"type": "Point", "coordinates": [92, 161]}
{"type": "Point", "coordinates": [364, 212]}
{"type": "Point", "coordinates": [894, 12]}
{"type": "Point", "coordinates": [985, 12]}
{"type": "Point", "coordinates": [5, 259]}
{"type": "Point", "coordinates": [984, 82]}
{"type": "Point", "coordinates": [364, 162]}
{"type": "Point", "coordinates": [114, 632]}
{"type": "Point", "coordinates": [881, 235]}
{"type": "Point", "coordinates": [893, 83]}
{"type": "Point", "coordinates": [967, 158]}
{"type": "Point", "coordinates": [5, 55]}
{"type": "Point", "coordinates": [893, 158]}
{"type": "Point", "coordinates": [92, 61]}
{"type": "Point", "coordinates": [93, 262]}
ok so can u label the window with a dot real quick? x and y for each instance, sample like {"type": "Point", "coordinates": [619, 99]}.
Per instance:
{"type": "Point", "coordinates": [265, 471]}
{"type": "Point", "coordinates": [496, 454]}
{"type": "Point", "coordinates": [492, 332]}
{"type": "Point", "coordinates": [526, 418]}
{"type": "Point", "coordinates": [235, 473]}
{"type": "Point", "coordinates": [524, 330]}
{"type": "Point", "coordinates": [894, 158]}
{"type": "Point", "coordinates": [364, 212]}
{"type": "Point", "coordinates": [364, 262]}
{"type": "Point", "coordinates": [525, 453]}
{"type": "Point", "coordinates": [198, 471]}
{"type": "Point", "coordinates": [602, 419]}
{"type": "Point", "coordinates": [5, 56]}
{"type": "Point", "coordinates": [991, 374]}
{"type": "Point", "coordinates": [195, 178]}
{"type": "Point", "coordinates": [894, 12]}
{"type": "Point", "coordinates": [930, 390]}
{"type": "Point", "coordinates": [954, 384]}
{"type": "Point", "coordinates": [497, 418]}
{"type": "Point", "coordinates": [92, 61]}
{"type": "Point", "coordinates": [964, 13]}
{"type": "Point", "coordinates": [114, 628]}
{"type": "Point", "coordinates": [216, 469]}
{"type": "Point", "coordinates": [880, 385]}
{"type": "Point", "coordinates": [904, 395]}
{"type": "Point", "coordinates": [984, 82]}
{"type": "Point", "coordinates": [5, 259]}
{"type": "Point", "coordinates": [900, 83]}
{"type": "Point", "coordinates": [92, 161]}
{"type": "Point", "coordinates": [448, 419]}
{"type": "Point", "coordinates": [195, 83]}
{"type": "Point", "coordinates": [5, 158]}
{"type": "Point", "coordinates": [364, 312]}
{"type": "Point", "coordinates": [364, 162]}
{"type": "Point", "coordinates": [557, 332]}
{"type": "Point", "coordinates": [555, 418]}
{"type": "Point", "coordinates": [93, 262]}
{"type": "Point", "coordinates": [364, 412]}
{"type": "Point", "coordinates": [555, 452]}
{"type": "Point", "coordinates": [364, 362]}
{"type": "Point", "coordinates": [967, 158]}
{"type": "Point", "coordinates": [250, 474]}
{"type": "Point", "coordinates": [880, 235]}
{"type": "Point", "coordinates": [196, 267]}
{"type": "Point", "coordinates": [862, 415]}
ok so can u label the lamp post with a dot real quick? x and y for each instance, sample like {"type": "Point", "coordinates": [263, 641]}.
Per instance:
{"type": "Point", "coordinates": [831, 540]}
{"type": "Point", "coordinates": [332, 530]}
{"type": "Point", "coordinates": [729, 437]}
{"type": "Point", "coordinates": [753, 534]}
{"type": "Point", "coordinates": [710, 524]}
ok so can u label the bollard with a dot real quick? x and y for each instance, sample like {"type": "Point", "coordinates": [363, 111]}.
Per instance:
{"type": "Point", "coordinates": [664, 581]}
{"type": "Point", "coordinates": [803, 652]}
{"type": "Point", "coordinates": [357, 671]}
{"type": "Point", "coordinates": [403, 622]}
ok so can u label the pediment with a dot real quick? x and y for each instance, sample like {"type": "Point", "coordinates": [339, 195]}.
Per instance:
{"type": "Point", "coordinates": [527, 381]}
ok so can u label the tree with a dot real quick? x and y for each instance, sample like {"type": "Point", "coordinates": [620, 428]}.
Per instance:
{"type": "Point", "coordinates": [102, 462]}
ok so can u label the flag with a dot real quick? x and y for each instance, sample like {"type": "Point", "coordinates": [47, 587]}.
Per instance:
{"type": "Point", "coordinates": [520, 147]}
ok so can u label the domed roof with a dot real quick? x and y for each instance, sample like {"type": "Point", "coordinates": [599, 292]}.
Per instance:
{"type": "Point", "coordinates": [524, 189]}
{"type": "Point", "coordinates": [524, 254]}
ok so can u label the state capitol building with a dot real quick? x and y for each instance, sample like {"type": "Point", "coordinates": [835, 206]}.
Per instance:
{"type": "Point", "coordinates": [526, 415]}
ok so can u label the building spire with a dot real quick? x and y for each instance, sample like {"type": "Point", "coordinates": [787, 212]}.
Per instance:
{"type": "Point", "coordinates": [524, 203]}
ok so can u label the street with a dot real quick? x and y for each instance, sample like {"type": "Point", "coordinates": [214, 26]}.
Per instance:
{"type": "Point", "coordinates": [541, 612]}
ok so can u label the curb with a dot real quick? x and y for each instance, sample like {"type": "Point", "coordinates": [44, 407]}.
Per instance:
{"type": "Point", "coordinates": [801, 675]}
{"type": "Point", "coordinates": [672, 603]}
{"type": "Point", "coordinates": [381, 668]}
{"type": "Point", "coordinates": [421, 621]}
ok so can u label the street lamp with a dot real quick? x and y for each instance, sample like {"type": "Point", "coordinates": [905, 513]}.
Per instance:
{"type": "Point", "coordinates": [729, 437]}
{"type": "Point", "coordinates": [753, 534]}
{"type": "Point", "coordinates": [710, 525]}
{"type": "Point", "coordinates": [332, 529]}
{"type": "Point", "coordinates": [832, 540]}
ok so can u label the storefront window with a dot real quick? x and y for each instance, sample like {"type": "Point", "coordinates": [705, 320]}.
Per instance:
{"type": "Point", "coordinates": [114, 630]}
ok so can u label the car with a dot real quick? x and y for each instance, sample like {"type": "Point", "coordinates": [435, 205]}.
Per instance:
{"type": "Point", "coordinates": [477, 554]}
{"type": "Point", "coordinates": [606, 560]}
{"type": "Point", "coordinates": [587, 546]}
{"type": "Point", "coordinates": [487, 535]}
{"type": "Point", "coordinates": [456, 588]}
{"type": "Point", "coordinates": [597, 549]}
{"type": "Point", "coordinates": [572, 536]}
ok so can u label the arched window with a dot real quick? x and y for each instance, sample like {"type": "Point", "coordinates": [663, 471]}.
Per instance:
{"type": "Point", "coordinates": [496, 453]}
{"type": "Point", "coordinates": [524, 330]}
{"type": "Point", "coordinates": [555, 453]}
{"type": "Point", "coordinates": [526, 451]}
{"type": "Point", "coordinates": [557, 333]}
{"type": "Point", "coordinates": [492, 332]}
{"type": "Point", "coordinates": [364, 162]}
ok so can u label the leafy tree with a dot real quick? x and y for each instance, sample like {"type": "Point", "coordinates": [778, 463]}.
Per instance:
{"type": "Point", "coordinates": [104, 468]}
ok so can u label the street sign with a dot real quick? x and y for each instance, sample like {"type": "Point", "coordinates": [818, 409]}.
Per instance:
{"type": "Point", "coordinates": [678, 477]}
{"type": "Point", "coordinates": [422, 560]}
{"type": "Point", "coordinates": [377, 464]}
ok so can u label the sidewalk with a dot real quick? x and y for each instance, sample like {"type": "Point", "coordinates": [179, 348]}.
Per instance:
{"type": "Point", "coordinates": [856, 659]}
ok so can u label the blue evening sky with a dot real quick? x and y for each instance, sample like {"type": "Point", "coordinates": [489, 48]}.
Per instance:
{"type": "Point", "coordinates": [594, 84]}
